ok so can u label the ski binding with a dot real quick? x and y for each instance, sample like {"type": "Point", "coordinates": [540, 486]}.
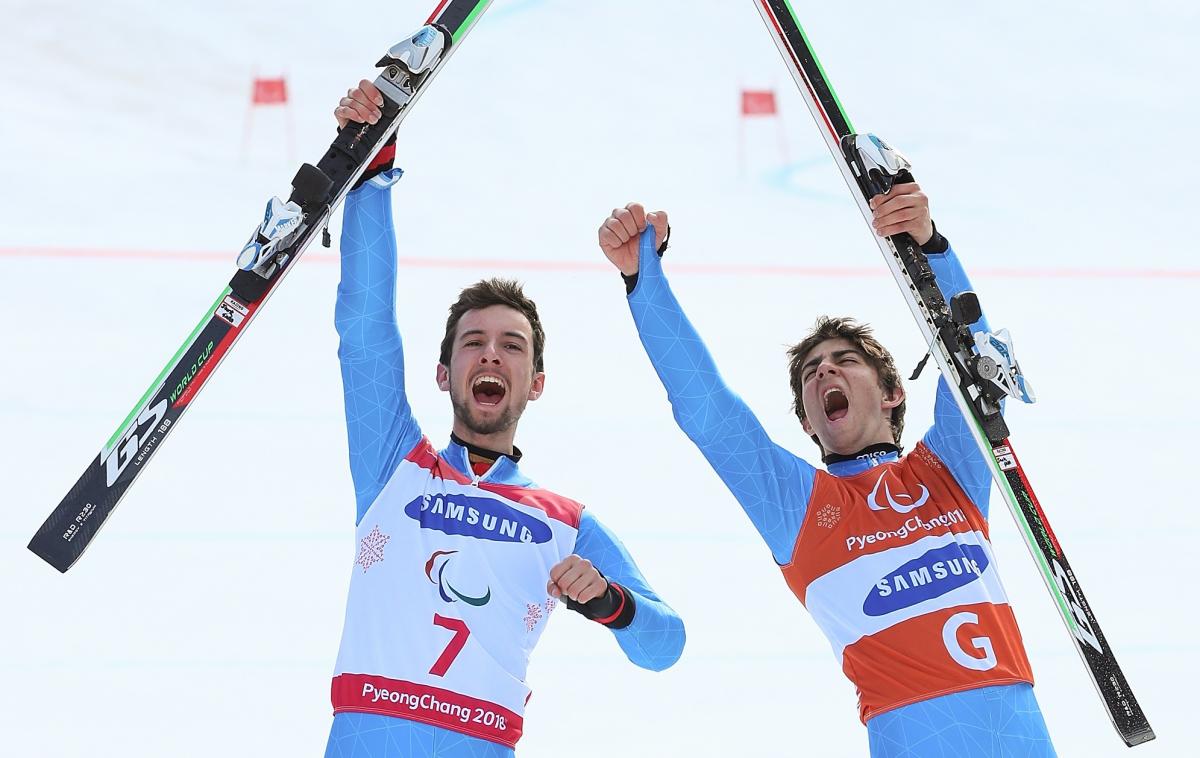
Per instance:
{"type": "Point", "coordinates": [995, 365]}
{"type": "Point", "coordinates": [877, 165]}
{"type": "Point", "coordinates": [418, 53]}
{"type": "Point", "coordinates": [280, 224]}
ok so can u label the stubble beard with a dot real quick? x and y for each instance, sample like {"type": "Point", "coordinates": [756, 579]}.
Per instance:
{"type": "Point", "coordinates": [506, 420]}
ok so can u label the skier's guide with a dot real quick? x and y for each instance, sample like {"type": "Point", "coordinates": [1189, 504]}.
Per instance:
{"type": "Point", "coordinates": [981, 373]}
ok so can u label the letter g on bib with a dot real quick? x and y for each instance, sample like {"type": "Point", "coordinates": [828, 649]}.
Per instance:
{"type": "Point", "coordinates": [961, 656]}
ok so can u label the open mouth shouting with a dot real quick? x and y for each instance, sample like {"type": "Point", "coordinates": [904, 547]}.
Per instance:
{"type": "Point", "coordinates": [835, 404]}
{"type": "Point", "coordinates": [488, 390]}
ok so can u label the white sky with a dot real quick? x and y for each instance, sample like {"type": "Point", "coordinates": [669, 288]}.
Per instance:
{"type": "Point", "coordinates": [1053, 141]}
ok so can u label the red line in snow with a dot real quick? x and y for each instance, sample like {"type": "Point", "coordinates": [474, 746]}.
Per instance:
{"type": "Point", "coordinates": [766, 269]}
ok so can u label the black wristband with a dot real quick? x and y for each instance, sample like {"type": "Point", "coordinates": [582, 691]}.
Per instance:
{"type": "Point", "coordinates": [383, 161]}
{"type": "Point", "coordinates": [937, 244]}
{"type": "Point", "coordinates": [631, 280]}
{"type": "Point", "coordinates": [614, 609]}
{"type": "Point", "coordinates": [666, 241]}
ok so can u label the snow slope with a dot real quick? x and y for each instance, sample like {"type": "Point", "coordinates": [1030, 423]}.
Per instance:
{"type": "Point", "coordinates": [205, 619]}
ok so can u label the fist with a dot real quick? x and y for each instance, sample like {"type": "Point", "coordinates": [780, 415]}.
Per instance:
{"type": "Point", "coordinates": [576, 579]}
{"type": "Point", "coordinates": [904, 209]}
{"type": "Point", "coordinates": [620, 231]}
{"type": "Point", "coordinates": [361, 104]}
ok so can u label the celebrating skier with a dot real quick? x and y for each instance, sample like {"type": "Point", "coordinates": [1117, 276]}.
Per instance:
{"type": "Point", "coordinates": [889, 552]}
{"type": "Point", "coordinates": [461, 558]}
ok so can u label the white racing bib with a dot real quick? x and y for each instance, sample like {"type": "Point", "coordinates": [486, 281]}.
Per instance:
{"type": "Point", "coordinates": [448, 598]}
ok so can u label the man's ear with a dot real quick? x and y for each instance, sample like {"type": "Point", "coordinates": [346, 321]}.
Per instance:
{"type": "Point", "coordinates": [807, 427]}
{"type": "Point", "coordinates": [443, 378]}
{"type": "Point", "coordinates": [893, 397]}
{"type": "Point", "coordinates": [539, 384]}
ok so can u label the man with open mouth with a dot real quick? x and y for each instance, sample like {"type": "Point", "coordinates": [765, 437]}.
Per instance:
{"type": "Point", "coordinates": [460, 557]}
{"type": "Point", "coordinates": [889, 552]}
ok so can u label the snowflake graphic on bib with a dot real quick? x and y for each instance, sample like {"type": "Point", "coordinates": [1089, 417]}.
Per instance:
{"type": "Point", "coordinates": [829, 516]}
{"type": "Point", "coordinates": [370, 549]}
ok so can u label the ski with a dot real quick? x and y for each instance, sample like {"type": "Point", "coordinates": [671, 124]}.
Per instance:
{"type": "Point", "coordinates": [982, 367]}
{"type": "Point", "coordinates": [274, 247]}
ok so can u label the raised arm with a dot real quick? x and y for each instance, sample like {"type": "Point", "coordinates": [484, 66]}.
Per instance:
{"type": "Point", "coordinates": [906, 209]}
{"type": "Point", "coordinates": [379, 423]}
{"type": "Point", "coordinates": [771, 484]}
{"type": "Point", "coordinates": [950, 436]}
{"type": "Point", "coordinates": [602, 582]}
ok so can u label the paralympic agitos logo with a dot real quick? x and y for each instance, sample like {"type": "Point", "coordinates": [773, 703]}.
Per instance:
{"type": "Point", "coordinates": [479, 517]}
{"type": "Point", "coordinates": [435, 570]}
{"type": "Point", "coordinates": [899, 502]}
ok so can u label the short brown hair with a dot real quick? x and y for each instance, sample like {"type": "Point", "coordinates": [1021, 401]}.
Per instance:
{"type": "Point", "coordinates": [859, 335]}
{"type": "Point", "coordinates": [490, 292]}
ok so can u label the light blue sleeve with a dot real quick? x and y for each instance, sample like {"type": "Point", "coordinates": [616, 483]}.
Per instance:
{"type": "Point", "coordinates": [950, 437]}
{"type": "Point", "coordinates": [379, 423]}
{"type": "Point", "coordinates": [771, 484]}
{"type": "Point", "coordinates": [654, 639]}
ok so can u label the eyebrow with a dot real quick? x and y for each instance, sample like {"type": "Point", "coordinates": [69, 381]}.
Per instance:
{"type": "Point", "coordinates": [471, 332]}
{"type": "Point", "coordinates": [836, 355]}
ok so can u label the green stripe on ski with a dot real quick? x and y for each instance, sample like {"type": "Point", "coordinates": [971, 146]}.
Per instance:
{"type": "Point", "coordinates": [1023, 523]}
{"type": "Point", "coordinates": [469, 21]}
{"type": "Point", "coordinates": [158, 380]}
{"type": "Point", "coordinates": [825, 77]}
